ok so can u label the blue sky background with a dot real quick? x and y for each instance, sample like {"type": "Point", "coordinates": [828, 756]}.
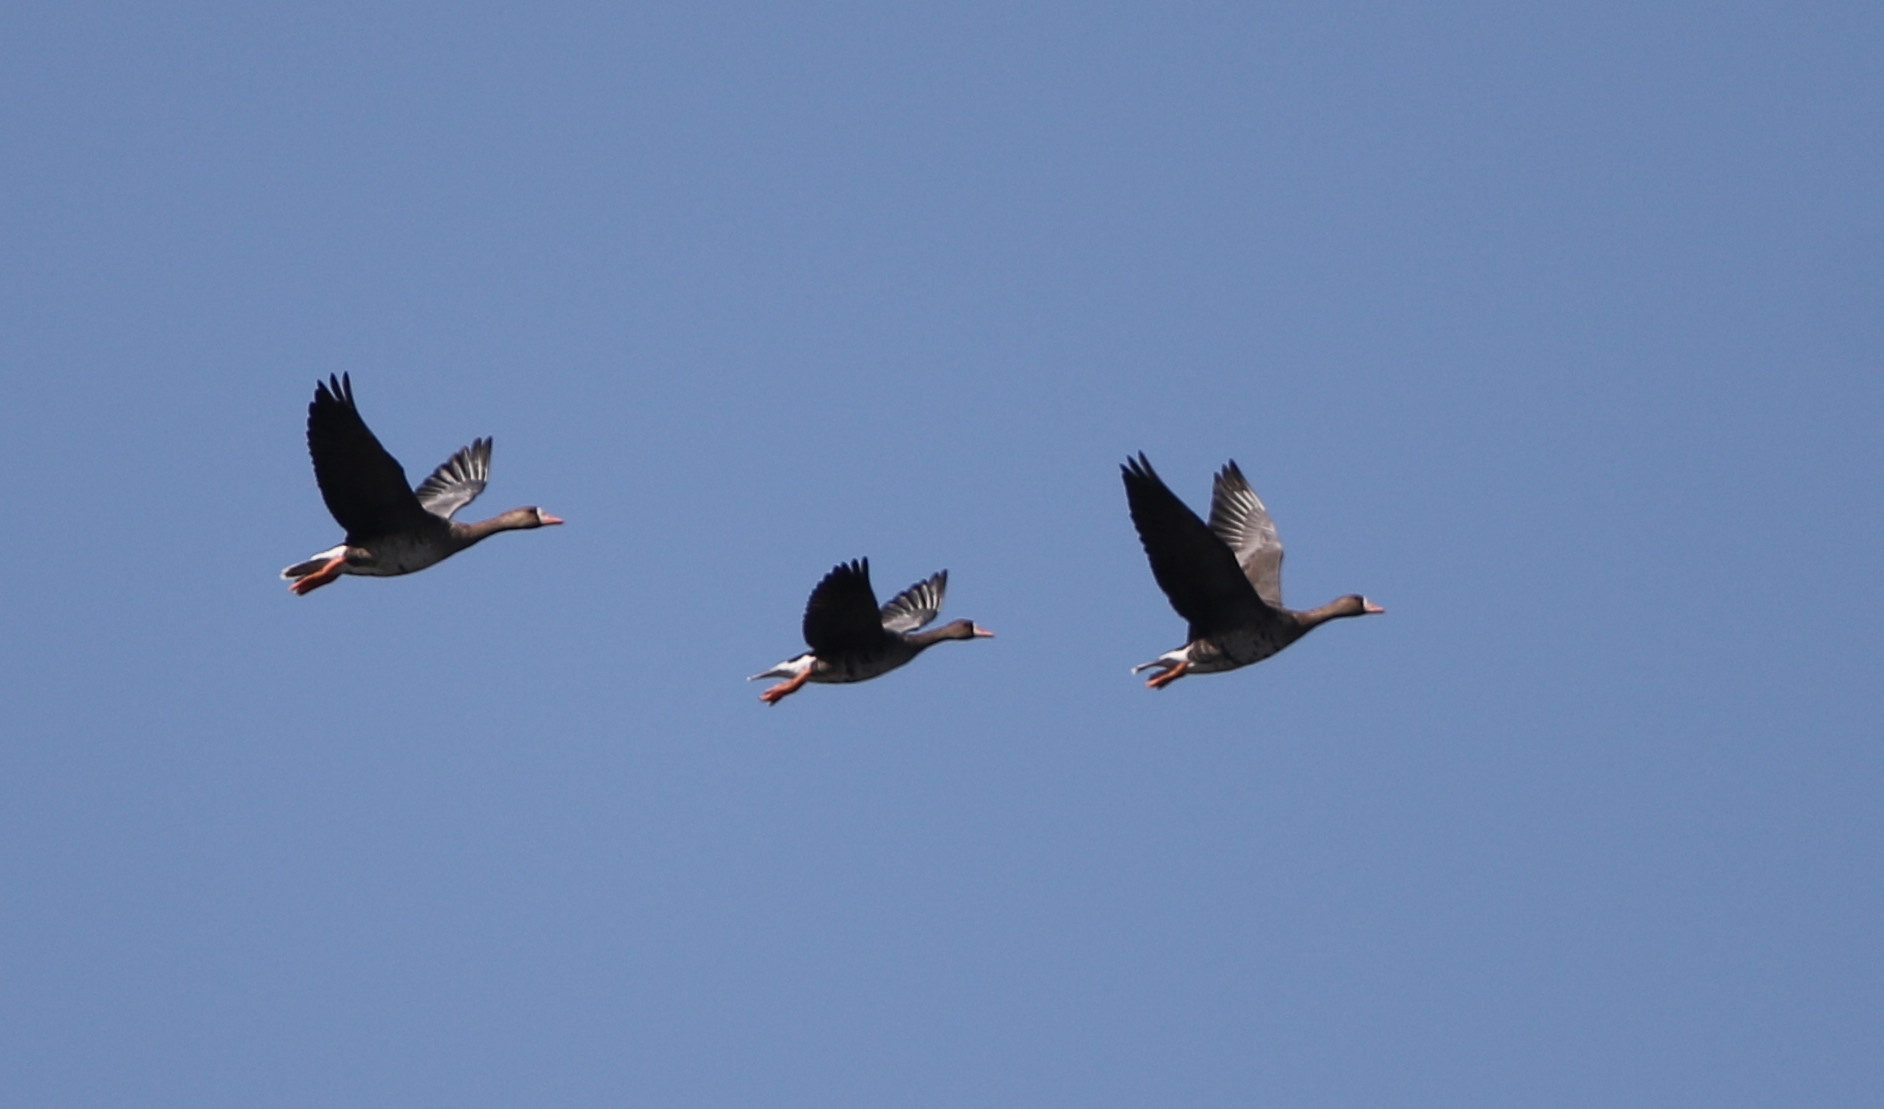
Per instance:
{"type": "Point", "coordinates": [1554, 329]}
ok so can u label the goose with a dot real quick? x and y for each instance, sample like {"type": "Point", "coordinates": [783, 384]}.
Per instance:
{"type": "Point", "coordinates": [852, 640]}
{"type": "Point", "coordinates": [1225, 578]}
{"type": "Point", "coordinates": [391, 527]}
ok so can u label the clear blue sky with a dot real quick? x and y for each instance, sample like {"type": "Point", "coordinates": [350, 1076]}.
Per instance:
{"type": "Point", "coordinates": [1554, 329]}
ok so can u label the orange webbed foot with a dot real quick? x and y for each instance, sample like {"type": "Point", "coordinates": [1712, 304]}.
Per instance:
{"type": "Point", "coordinates": [328, 572]}
{"type": "Point", "coordinates": [785, 689]}
{"type": "Point", "coordinates": [1166, 677]}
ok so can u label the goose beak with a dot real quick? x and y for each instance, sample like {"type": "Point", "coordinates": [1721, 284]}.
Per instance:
{"type": "Point", "coordinates": [1368, 606]}
{"type": "Point", "coordinates": [983, 633]}
{"type": "Point", "coordinates": [547, 519]}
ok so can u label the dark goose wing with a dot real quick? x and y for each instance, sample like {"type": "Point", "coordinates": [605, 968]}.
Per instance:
{"type": "Point", "coordinates": [364, 487]}
{"type": "Point", "coordinates": [842, 613]}
{"type": "Point", "coordinates": [1196, 570]}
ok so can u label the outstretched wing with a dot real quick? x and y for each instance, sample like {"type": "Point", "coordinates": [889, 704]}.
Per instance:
{"type": "Point", "coordinates": [458, 481]}
{"type": "Point", "coordinates": [364, 487]}
{"type": "Point", "coordinates": [1237, 517]}
{"type": "Point", "coordinates": [1197, 571]}
{"type": "Point", "coordinates": [842, 613]}
{"type": "Point", "coordinates": [915, 606]}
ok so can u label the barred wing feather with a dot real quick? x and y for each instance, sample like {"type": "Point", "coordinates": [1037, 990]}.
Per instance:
{"type": "Point", "coordinates": [458, 481]}
{"type": "Point", "coordinates": [1237, 517]}
{"type": "Point", "coordinates": [915, 606]}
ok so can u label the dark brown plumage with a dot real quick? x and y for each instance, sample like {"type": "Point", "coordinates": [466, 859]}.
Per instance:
{"type": "Point", "coordinates": [853, 640]}
{"type": "Point", "coordinates": [390, 527]}
{"type": "Point", "coordinates": [1224, 577]}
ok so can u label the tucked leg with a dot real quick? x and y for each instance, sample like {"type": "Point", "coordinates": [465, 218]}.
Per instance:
{"type": "Point", "coordinates": [328, 572]}
{"type": "Point", "coordinates": [786, 688]}
{"type": "Point", "coordinates": [1160, 680]}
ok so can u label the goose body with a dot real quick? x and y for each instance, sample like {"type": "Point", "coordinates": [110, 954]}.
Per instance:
{"type": "Point", "coordinates": [391, 528]}
{"type": "Point", "coordinates": [1224, 577]}
{"type": "Point", "coordinates": [853, 640]}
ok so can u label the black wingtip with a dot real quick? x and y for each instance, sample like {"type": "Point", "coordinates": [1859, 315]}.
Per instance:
{"type": "Point", "coordinates": [337, 389]}
{"type": "Point", "coordinates": [1139, 469]}
{"type": "Point", "coordinates": [857, 566]}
